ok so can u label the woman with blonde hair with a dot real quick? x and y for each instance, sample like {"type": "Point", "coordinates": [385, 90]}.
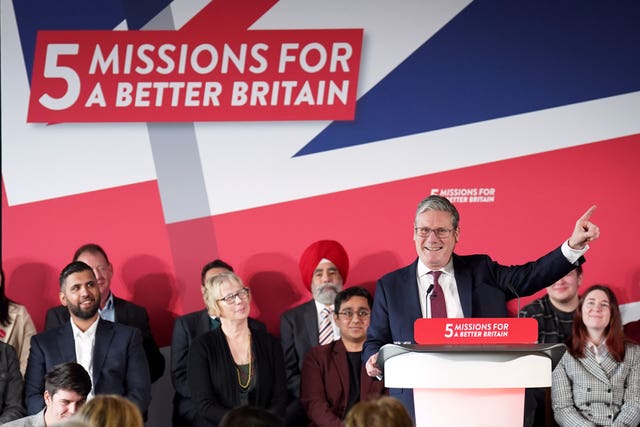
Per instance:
{"type": "Point", "coordinates": [109, 410]}
{"type": "Point", "coordinates": [386, 411]}
{"type": "Point", "coordinates": [235, 364]}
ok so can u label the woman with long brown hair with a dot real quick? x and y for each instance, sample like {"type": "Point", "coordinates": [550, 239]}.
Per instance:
{"type": "Point", "coordinates": [597, 381]}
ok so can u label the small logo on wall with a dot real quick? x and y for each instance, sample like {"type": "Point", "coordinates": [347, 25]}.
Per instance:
{"type": "Point", "coordinates": [467, 194]}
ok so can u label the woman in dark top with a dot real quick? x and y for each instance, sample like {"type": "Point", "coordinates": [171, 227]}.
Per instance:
{"type": "Point", "coordinates": [234, 365]}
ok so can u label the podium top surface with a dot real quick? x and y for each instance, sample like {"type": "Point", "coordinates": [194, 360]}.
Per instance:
{"type": "Point", "coordinates": [552, 351]}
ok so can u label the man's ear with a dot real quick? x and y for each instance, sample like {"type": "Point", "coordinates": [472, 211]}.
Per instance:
{"type": "Point", "coordinates": [63, 299]}
{"type": "Point", "coordinates": [47, 398]}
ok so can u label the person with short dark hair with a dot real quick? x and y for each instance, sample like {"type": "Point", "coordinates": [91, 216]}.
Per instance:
{"type": "Point", "coordinates": [333, 377]}
{"type": "Point", "coordinates": [185, 329]}
{"type": "Point", "coordinates": [383, 412]}
{"type": "Point", "coordinates": [111, 353]}
{"type": "Point", "coordinates": [111, 307]}
{"type": "Point", "coordinates": [66, 387]}
{"type": "Point", "coordinates": [597, 381]}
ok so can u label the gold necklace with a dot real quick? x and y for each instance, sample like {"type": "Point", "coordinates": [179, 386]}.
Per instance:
{"type": "Point", "coordinates": [238, 369]}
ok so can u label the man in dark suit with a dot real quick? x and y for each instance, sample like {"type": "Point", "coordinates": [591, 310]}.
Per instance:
{"type": "Point", "coordinates": [472, 285]}
{"type": "Point", "coordinates": [185, 329]}
{"type": "Point", "coordinates": [111, 307]}
{"type": "Point", "coordinates": [333, 377]}
{"type": "Point", "coordinates": [110, 352]}
{"type": "Point", "coordinates": [324, 266]}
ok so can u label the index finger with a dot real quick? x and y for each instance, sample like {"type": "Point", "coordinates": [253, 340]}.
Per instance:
{"type": "Point", "coordinates": [587, 214]}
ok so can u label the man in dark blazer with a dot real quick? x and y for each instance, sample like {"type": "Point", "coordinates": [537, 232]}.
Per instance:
{"type": "Point", "coordinates": [323, 266]}
{"type": "Point", "coordinates": [112, 353]}
{"type": "Point", "coordinates": [185, 329]}
{"type": "Point", "coordinates": [333, 377]}
{"type": "Point", "coordinates": [112, 308]}
{"type": "Point", "coordinates": [472, 286]}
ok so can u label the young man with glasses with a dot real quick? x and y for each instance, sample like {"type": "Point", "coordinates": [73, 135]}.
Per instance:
{"type": "Point", "coordinates": [333, 377]}
{"type": "Point", "coordinates": [440, 281]}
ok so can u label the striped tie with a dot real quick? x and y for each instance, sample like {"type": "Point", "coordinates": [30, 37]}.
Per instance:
{"type": "Point", "coordinates": [326, 330]}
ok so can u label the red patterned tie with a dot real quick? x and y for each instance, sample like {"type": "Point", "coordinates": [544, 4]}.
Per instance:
{"type": "Point", "coordinates": [438, 304]}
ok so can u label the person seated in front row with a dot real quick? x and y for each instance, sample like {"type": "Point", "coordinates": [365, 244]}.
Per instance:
{"type": "Point", "coordinates": [235, 364]}
{"type": "Point", "coordinates": [185, 329]}
{"type": "Point", "coordinates": [333, 378]}
{"type": "Point", "coordinates": [597, 381]}
{"type": "Point", "coordinates": [66, 387]}
{"type": "Point", "coordinates": [386, 411]}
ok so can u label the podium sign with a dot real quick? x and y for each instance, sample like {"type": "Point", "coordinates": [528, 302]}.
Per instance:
{"type": "Point", "coordinates": [476, 331]}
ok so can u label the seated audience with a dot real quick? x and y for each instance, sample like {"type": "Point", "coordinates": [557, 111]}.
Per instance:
{"type": "Point", "coordinates": [110, 410]}
{"type": "Point", "coordinates": [333, 377]}
{"type": "Point", "coordinates": [11, 406]}
{"type": "Point", "coordinates": [66, 388]}
{"type": "Point", "coordinates": [111, 307]}
{"type": "Point", "coordinates": [111, 352]}
{"type": "Point", "coordinates": [235, 364]}
{"type": "Point", "coordinates": [249, 416]}
{"type": "Point", "coordinates": [185, 329]}
{"type": "Point", "coordinates": [16, 326]}
{"type": "Point", "coordinates": [597, 381]}
{"type": "Point", "coordinates": [386, 411]}
{"type": "Point", "coordinates": [324, 266]}
{"type": "Point", "coordinates": [554, 314]}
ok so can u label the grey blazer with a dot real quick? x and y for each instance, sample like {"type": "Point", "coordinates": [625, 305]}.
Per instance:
{"type": "Point", "coordinates": [587, 393]}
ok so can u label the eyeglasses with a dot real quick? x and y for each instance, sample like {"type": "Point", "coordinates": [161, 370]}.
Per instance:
{"type": "Point", "coordinates": [243, 294]}
{"type": "Point", "coordinates": [349, 314]}
{"type": "Point", "coordinates": [441, 233]}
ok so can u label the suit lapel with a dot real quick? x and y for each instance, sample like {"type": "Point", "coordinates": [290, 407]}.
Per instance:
{"type": "Point", "coordinates": [464, 283]}
{"type": "Point", "coordinates": [593, 367]}
{"type": "Point", "coordinates": [339, 358]}
{"type": "Point", "coordinates": [311, 322]}
{"type": "Point", "coordinates": [66, 343]}
{"type": "Point", "coordinates": [104, 336]}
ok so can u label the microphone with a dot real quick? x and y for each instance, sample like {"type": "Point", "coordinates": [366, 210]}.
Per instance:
{"type": "Point", "coordinates": [430, 289]}
{"type": "Point", "coordinates": [511, 289]}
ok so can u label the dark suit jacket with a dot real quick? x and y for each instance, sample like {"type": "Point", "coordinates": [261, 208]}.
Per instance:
{"type": "Point", "coordinates": [324, 385]}
{"type": "Point", "coordinates": [126, 313]}
{"type": "Point", "coordinates": [298, 333]}
{"type": "Point", "coordinates": [483, 289]}
{"type": "Point", "coordinates": [185, 329]}
{"type": "Point", "coordinates": [213, 379]}
{"type": "Point", "coordinates": [11, 406]}
{"type": "Point", "coordinates": [119, 365]}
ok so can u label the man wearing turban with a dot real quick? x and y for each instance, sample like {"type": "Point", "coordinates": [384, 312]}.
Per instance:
{"type": "Point", "coordinates": [324, 266]}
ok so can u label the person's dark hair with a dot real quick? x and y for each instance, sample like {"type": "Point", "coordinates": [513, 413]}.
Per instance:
{"type": "Point", "coordinates": [92, 248]}
{"type": "Point", "coordinates": [73, 267]}
{"type": "Point", "coordinates": [353, 291]}
{"type": "Point", "coordinates": [438, 203]}
{"type": "Point", "coordinates": [614, 333]}
{"type": "Point", "coordinates": [216, 263]}
{"type": "Point", "coordinates": [249, 416]}
{"type": "Point", "coordinates": [5, 320]}
{"type": "Point", "coordinates": [69, 376]}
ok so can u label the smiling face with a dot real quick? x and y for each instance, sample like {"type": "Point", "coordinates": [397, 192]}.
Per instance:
{"type": "Point", "coordinates": [102, 270]}
{"type": "Point", "coordinates": [239, 308]}
{"type": "Point", "coordinates": [596, 312]}
{"type": "Point", "coordinates": [435, 252]}
{"type": "Point", "coordinates": [565, 290]}
{"type": "Point", "coordinates": [81, 295]}
{"type": "Point", "coordinates": [354, 329]}
{"type": "Point", "coordinates": [63, 404]}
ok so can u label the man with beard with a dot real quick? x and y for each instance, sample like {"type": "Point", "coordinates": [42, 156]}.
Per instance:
{"type": "Point", "coordinates": [324, 266]}
{"type": "Point", "coordinates": [110, 352]}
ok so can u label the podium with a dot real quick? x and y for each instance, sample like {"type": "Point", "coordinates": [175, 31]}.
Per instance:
{"type": "Point", "coordinates": [468, 385]}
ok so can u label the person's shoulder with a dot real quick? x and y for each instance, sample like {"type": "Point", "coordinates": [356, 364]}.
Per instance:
{"type": "Point", "coordinates": [536, 306]}
{"type": "Point", "coordinates": [399, 272]}
{"type": "Point", "coordinates": [190, 317]}
{"type": "Point", "coordinates": [298, 309]}
{"type": "Point", "coordinates": [129, 305]}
